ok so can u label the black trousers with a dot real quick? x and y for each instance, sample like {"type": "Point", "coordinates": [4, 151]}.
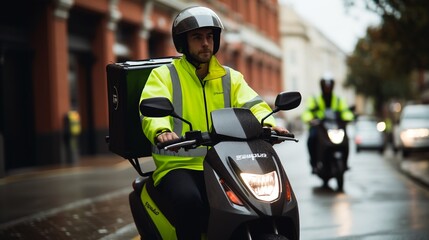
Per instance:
{"type": "Point", "coordinates": [311, 144]}
{"type": "Point", "coordinates": [184, 191]}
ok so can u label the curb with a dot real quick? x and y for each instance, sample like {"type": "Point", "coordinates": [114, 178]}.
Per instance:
{"type": "Point", "coordinates": [417, 170]}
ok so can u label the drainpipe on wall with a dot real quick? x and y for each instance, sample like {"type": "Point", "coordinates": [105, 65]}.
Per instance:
{"type": "Point", "coordinates": [62, 8]}
{"type": "Point", "coordinates": [147, 24]}
{"type": "Point", "coordinates": [61, 13]}
{"type": "Point", "coordinates": [114, 15]}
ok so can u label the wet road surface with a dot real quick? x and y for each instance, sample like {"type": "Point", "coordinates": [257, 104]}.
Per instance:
{"type": "Point", "coordinates": [83, 202]}
{"type": "Point", "coordinates": [378, 201]}
{"type": "Point", "coordinates": [91, 202]}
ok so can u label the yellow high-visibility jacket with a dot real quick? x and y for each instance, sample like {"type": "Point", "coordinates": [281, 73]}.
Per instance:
{"type": "Point", "coordinates": [315, 108]}
{"type": "Point", "coordinates": [198, 98]}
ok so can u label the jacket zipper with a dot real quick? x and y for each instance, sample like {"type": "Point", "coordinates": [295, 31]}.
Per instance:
{"type": "Point", "coordinates": [203, 84]}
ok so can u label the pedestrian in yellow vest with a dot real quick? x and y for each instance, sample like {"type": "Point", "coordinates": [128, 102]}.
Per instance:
{"type": "Point", "coordinates": [196, 84]}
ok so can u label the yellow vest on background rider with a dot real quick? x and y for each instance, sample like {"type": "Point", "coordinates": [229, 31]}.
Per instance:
{"type": "Point", "coordinates": [198, 98]}
{"type": "Point", "coordinates": [315, 108]}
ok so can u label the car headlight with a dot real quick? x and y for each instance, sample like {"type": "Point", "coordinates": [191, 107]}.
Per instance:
{"type": "Point", "coordinates": [336, 135]}
{"type": "Point", "coordinates": [264, 187]}
{"type": "Point", "coordinates": [410, 134]}
{"type": "Point", "coordinates": [381, 126]}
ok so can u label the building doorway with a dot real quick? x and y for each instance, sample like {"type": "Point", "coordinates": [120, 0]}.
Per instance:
{"type": "Point", "coordinates": [16, 109]}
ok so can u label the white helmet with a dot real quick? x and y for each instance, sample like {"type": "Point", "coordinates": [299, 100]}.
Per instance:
{"type": "Point", "coordinates": [193, 18]}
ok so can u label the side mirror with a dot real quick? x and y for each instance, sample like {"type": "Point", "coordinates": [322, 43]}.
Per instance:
{"type": "Point", "coordinates": [287, 101]}
{"type": "Point", "coordinates": [159, 107]}
{"type": "Point", "coordinates": [156, 107]}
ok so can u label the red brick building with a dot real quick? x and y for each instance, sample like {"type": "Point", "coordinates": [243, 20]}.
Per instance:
{"type": "Point", "coordinates": [53, 57]}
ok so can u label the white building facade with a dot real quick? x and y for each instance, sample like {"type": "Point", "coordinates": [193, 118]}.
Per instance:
{"type": "Point", "coordinates": [308, 54]}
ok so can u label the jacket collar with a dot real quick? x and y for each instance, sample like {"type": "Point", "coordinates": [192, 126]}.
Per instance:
{"type": "Point", "coordinates": [216, 70]}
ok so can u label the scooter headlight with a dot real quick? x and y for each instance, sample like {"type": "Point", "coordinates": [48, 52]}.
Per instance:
{"type": "Point", "coordinates": [336, 135]}
{"type": "Point", "coordinates": [264, 187]}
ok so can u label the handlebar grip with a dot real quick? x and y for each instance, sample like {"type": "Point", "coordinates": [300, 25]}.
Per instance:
{"type": "Point", "coordinates": [291, 135]}
{"type": "Point", "coordinates": [162, 145]}
{"type": "Point", "coordinates": [282, 137]}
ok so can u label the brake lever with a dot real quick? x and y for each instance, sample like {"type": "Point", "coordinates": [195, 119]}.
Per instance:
{"type": "Point", "coordinates": [283, 137]}
{"type": "Point", "coordinates": [180, 144]}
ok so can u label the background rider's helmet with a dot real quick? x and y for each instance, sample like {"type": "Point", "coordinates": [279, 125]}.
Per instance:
{"type": "Point", "coordinates": [327, 82]}
{"type": "Point", "coordinates": [193, 18]}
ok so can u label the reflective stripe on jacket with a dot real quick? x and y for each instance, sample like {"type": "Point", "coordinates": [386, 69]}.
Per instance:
{"type": "Point", "coordinates": [315, 108]}
{"type": "Point", "coordinates": [198, 99]}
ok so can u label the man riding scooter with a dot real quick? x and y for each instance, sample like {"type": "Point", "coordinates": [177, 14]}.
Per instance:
{"type": "Point", "coordinates": [197, 84]}
{"type": "Point", "coordinates": [315, 112]}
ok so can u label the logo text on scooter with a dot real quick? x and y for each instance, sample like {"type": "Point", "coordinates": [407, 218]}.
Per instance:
{"type": "Point", "coordinates": [148, 206]}
{"type": "Point", "coordinates": [252, 156]}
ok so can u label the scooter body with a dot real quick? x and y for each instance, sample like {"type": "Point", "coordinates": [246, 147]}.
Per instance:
{"type": "Point", "coordinates": [251, 216]}
{"type": "Point", "coordinates": [249, 193]}
{"type": "Point", "coordinates": [332, 149]}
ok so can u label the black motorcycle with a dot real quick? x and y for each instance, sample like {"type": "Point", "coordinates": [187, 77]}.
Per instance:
{"type": "Point", "coordinates": [332, 149]}
{"type": "Point", "coordinates": [250, 196]}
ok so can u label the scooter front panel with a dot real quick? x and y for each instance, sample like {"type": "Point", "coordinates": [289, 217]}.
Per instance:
{"type": "Point", "coordinates": [227, 218]}
{"type": "Point", "coordinates": [229, 159]}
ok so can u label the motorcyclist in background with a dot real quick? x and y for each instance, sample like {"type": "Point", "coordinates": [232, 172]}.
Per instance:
{"type": "Point", "coordinates": [315, 110]}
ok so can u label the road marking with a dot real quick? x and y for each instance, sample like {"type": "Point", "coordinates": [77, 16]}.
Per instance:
{"type": "Point", "coordinates": [120, 233]}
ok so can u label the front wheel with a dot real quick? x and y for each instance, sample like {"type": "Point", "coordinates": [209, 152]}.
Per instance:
{"type": "Point", "coordinates": [271, 237]}
{"type": "Point", "coordinates": [341, 168]}
{"type": "Point", "coordinates": [340, 182]}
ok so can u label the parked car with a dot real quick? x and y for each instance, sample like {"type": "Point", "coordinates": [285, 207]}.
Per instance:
{"type": "Point", "coordinates": [369, 134]}
{"type": "Point", "coordinates": [412, 131]}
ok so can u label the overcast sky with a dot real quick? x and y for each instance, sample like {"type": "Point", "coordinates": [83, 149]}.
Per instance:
{"type": "Point", "coordinates": [343, 27]}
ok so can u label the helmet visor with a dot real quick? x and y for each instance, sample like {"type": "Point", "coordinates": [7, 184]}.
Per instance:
{"type": "Point", "coordinates": [328, 83]}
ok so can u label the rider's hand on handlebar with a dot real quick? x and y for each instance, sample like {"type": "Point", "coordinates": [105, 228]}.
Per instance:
{"type": "Point", "coordinates": [168, 136]}
{"type": "Point", "coordinates": [280, 131]}
{"type": "Point", "coordinates": [314, 122]}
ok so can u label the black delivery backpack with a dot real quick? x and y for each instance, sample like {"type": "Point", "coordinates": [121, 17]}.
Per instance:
{"type": "Point", "coordinates": [125, 82]}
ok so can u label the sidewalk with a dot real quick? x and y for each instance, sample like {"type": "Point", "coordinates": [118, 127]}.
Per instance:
{"type": "Point", "coordinates": [416, 166]}
{"type": "Point", "coordinates": [86, 163]}
{"type": "Point", "coordinates": [416, 169]}
{"type": "Point", "coordinates": [88, 198]}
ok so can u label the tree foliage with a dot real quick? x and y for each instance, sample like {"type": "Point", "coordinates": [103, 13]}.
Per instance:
{"type": "Point", "coordinates": [382, 62]}
{"type": "Point", "coordinates": [375, 70]}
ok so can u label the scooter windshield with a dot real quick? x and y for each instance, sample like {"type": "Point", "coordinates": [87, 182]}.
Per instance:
{"type": "Point", "coordinates": [235, 124]}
